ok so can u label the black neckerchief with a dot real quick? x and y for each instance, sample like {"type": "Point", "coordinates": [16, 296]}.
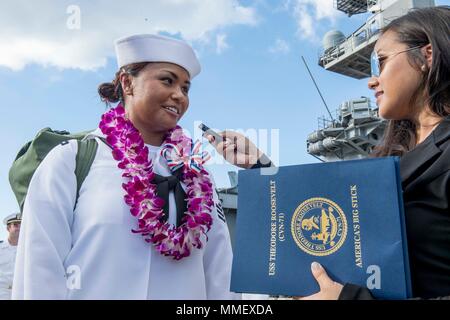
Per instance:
{"type": "Point", "coordinates": [165, 184]}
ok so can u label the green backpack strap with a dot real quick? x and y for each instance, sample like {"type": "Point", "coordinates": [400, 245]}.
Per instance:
{"type": "Point", "coordinates": [87, 149]}
{"type": "Point", "coordinates": [33, 153]}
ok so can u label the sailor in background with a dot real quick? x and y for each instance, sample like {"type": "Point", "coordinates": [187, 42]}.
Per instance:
{"type": "Point", "coordinates": [8, 249]}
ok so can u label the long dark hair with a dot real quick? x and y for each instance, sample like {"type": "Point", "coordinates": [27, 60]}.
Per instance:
{"type": "Point", "coordinates": [112, 92]}
{"type": "Point", "coordinates": [421, 27]}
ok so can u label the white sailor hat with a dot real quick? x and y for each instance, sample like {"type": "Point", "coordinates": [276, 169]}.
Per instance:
{"type": "Point", "coordinates": [156, 48]}
{"type": "Point", "coordinates": [15, 217]}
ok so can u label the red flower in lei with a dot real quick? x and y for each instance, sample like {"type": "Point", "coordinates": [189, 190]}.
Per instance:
{"type": "Point", "coordinates": [130, 150]}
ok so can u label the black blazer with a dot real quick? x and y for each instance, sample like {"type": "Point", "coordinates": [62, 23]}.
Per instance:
{"type": "Point", "coordinates": [425, 173]}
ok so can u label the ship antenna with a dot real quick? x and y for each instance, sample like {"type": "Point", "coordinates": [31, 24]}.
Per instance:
{"type": "Point", "coordinates": [317, 87]}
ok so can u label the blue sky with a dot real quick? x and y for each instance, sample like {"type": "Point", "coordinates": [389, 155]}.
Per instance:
{"type": "Point", "coordinates": [250, 52]}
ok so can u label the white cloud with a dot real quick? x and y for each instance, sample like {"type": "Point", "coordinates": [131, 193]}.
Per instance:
{"type": "Point", "coordinates": [38, 32]}
{"type": "Point", "coordinates": [280, 46]}
{"type": "Point", "coordinates": [221, 43]}
{"type": "Point", "coordinates": [309, 13]}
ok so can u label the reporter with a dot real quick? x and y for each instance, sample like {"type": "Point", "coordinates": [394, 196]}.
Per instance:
{"type": "Point", "coordinates": [411, 79]}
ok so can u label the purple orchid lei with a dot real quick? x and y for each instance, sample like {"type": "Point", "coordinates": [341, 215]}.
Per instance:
{"type": "Point", "coordinates": [130, 150]}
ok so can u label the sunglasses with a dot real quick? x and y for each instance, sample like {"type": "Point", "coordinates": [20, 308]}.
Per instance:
{"type": "Point", "coordinates": [375, 60]}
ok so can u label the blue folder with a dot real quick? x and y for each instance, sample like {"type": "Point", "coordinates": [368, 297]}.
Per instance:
{"type": "Point", "coordinates": [346, 215]}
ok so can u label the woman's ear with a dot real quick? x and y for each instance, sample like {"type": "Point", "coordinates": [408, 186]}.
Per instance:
{"type": "Point", "coordinates": [125, 82]}
{"type": "Point", "coordinates": [428, 53]}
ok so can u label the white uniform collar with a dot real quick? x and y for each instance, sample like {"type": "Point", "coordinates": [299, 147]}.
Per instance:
{"type": "Point", "coordinates": [96, 133]}
{"type": "Point", "coordinates": [5, 244]}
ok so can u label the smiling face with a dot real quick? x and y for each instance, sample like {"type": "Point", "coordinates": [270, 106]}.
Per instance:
{"type": "Point", "coordinates": [396, 86]}
{"type": "Point", "coordinates": [157, 97]}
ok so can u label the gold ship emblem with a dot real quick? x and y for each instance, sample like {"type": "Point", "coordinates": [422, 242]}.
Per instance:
{"type": "Point", "coordinates": [326, 224]}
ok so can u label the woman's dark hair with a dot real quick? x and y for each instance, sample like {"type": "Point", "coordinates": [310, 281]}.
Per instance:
{"type": "Point", "coordinates": [111, 92]}
{"type": "Point", "coordinates": [421, 27]}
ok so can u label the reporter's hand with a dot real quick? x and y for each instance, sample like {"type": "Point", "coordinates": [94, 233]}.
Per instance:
{"type": "Point", "coordinates": [329, 289]}
{"type": "Point", "coordinates": [236, 148]}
